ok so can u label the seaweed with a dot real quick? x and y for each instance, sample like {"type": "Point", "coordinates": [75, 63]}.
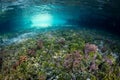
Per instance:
{"type": "Point", "coordinates": [60, 55]}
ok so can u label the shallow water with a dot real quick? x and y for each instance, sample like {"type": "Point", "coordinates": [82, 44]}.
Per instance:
{"type": "Point", "coordinates": [94, 14]}
{"type": "Point", "coordinates": [59, 40]}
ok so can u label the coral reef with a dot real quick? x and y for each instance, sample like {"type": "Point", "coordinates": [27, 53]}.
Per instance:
{"type": "Point", "coordinates": [63, 54]}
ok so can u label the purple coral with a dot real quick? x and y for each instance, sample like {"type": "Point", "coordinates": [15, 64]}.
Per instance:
{"type": "Point", "coordinates": [72, 60]}
{"type": "Point", "coordinates": [90, 48]}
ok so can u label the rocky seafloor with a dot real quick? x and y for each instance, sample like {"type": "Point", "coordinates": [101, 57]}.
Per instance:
{"type": "Point", "coordinates": [61, 54]}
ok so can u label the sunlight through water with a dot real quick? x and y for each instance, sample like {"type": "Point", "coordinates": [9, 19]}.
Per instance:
{"type": "Point", "coordinates": [42, 20]}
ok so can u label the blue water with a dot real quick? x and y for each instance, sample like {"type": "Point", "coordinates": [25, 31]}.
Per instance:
{"type": "Point", "coordinates": [18, 18]}
{"type": "Point", "coordinates": [84, 13]}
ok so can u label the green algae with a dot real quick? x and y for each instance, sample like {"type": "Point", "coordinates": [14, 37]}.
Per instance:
{"type": "Point", "coordinates": [47, 61]}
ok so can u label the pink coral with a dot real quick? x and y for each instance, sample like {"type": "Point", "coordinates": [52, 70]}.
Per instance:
{"type": "Point", "coordinates": [72, 60]}
{"type": "Point", "coordinates": [90, 48]}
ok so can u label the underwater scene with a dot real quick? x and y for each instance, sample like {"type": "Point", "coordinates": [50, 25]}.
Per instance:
{"type": "Point", "coordinates": [59, 39]}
